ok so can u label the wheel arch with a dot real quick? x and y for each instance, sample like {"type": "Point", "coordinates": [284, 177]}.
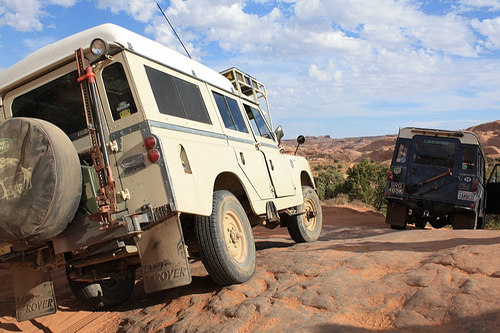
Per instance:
{"type": "Point", "coordinates": [306, 179]}
{"type": "Point", "coordinates": [231, 182]}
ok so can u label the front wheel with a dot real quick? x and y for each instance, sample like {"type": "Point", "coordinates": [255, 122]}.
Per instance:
{"type": "Point", "coordinates": [225, 240]}
{"type": "Point", "coordinates": [306, 227]}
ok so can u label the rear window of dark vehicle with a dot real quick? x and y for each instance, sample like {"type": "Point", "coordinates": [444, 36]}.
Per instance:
{"type": "Point", "coordinates": [434, 151]}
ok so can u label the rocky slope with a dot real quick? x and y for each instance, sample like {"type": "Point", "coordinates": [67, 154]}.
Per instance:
{"type": "Point", "coordinates": [360, 276]}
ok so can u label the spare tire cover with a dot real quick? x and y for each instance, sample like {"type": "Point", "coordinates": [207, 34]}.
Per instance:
{"type": "Point", "coordinates": [40, 180]}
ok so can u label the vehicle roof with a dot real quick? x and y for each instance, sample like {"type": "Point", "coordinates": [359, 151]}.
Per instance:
{"type": "Point", "coordinates": [62, 51]}
{"type": "Point", "coordinates": [464, 136]}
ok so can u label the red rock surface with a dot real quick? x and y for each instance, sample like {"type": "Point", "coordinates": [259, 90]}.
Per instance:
{"type": "Point", "coordinates": [360, 276]}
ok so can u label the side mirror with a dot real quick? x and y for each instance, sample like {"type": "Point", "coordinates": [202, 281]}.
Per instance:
{"type": "Point", "coordinates": [279, 133]}
{"type": "Point", "coordinates": [300, 140]}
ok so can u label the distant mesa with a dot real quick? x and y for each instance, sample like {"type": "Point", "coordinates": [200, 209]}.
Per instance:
{"type": "Point", "coordinates": [324, 149]}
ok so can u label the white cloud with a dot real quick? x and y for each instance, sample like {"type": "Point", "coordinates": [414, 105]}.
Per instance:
{"type": "Point", "coordinates": [492, 5]}
{"type": "Point", "coordinates": [491, 29]}
{"type": "Point", "coordinates": [25, 15]}
{"type": "Point", "coordinates": [141, 10]}
{"type": "Point", "coordinates": [332, 58]}
{"type": "Point", "coordinates": [327, 58]}
{"type": "Point", "coordinates": [21, 15]}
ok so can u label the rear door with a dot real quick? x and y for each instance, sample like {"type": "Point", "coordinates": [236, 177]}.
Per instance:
{"type": "Point", "coordinates": [493, 191]}
{"type": "Point", "coordinates": [431, 169]}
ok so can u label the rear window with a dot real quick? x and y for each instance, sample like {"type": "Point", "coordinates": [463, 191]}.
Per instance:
{"type": "Point", "coordinates": [59, 102]}
{"type": "Point", "coordinates": [401, 151]}
{"type": "Point", "coordinates": [468, 158]}
{"type": "Point", "coordinates": [434, 151]}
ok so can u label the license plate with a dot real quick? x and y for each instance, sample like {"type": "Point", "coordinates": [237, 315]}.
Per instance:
{"type": "Point", "coordinates": [466, 195]}
{"type": "Point", "coordinates": [396, 188]}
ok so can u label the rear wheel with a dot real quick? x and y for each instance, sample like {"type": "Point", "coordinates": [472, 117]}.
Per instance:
{"type": "Point", "coordinates": [105, 294]}
{"type": "Point", "coordinates": [225, 240]}
{"type": "Point", "coordinates": [306, 227]}
{"type": "Point", "coordinates": [420, 223]}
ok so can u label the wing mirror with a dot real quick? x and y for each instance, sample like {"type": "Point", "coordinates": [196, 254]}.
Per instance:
{"type": "Point", "coordinates": [300, 140]}
{"type": "Point", "coordinates": [279, 133]}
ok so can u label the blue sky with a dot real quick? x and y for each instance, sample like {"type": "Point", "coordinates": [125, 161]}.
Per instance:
{"type": "Point", "coordinates": [342, 68]}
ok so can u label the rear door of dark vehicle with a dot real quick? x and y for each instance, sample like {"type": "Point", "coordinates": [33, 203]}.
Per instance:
{"type": "Point", "coordinates": [433, 162]}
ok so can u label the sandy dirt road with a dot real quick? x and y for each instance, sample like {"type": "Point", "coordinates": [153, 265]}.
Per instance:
{"type": "Point", "coordinates": [360, 276]}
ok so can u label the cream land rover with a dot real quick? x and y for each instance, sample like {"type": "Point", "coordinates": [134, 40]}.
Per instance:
{"type": "Point", "coordinates": [117, 153]}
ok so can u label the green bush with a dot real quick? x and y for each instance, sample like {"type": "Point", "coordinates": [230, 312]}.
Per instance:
{"type": "Point", "coordinates": [328, 181]}
{"type": "Point", "coordinates": [366, 182]}
{"type": "Point", "coordinates": [492, 222]}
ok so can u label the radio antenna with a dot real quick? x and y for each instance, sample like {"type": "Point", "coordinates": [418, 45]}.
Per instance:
{"type": "Point", "coordinates": [175, 33]}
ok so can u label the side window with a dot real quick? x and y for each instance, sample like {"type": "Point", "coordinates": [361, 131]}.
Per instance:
{"type": "Point", "coordinates": [230, 113]}
{"type": "Point", "coordinates": [258, 123]}
{"type": "Point", "coordinates": [469, 158]}
{"type": "Point", "coordinates": [480, 165]}
{"type": "Point", "coordinates": [177, 97]}
{"type": "Point", "coordinates": [118, 91]}
{"type": "Point", "coordinates": [402, 152]}
{"type": "Point", "coordinates": [59, 102]}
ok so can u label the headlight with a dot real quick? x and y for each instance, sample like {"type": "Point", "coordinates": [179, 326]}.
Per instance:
{"type": "Point", "coordinates": [99, 47]}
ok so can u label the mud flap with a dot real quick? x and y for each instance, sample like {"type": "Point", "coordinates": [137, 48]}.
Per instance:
{"type": "Point", "coordinates": [396, 215]}
{"type": "Point", "coordinates": [163, 256]}
{"type": "Point", "coordinates": [34, 292]}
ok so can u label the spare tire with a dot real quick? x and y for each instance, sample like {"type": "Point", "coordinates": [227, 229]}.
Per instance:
{"type": "Point", "coordinates": [40, 180]}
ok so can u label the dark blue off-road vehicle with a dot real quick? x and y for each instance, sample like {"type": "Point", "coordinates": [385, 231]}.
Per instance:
{"type": "Point", "coordinates": [437, 176]}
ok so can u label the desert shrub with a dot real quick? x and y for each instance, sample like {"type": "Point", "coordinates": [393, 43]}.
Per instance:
{"type": "Point", "coordinates": [338, 200]}
{"type": "Point", "coordinates": [328, 180]}
{"type": "Point", "coordinates": [366, 182]}
{"type": "Point", "coordinates": [492, 222]}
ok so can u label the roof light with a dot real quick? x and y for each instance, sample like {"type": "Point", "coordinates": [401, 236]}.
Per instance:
{"type": "Point", "coordinates": [99, 47]}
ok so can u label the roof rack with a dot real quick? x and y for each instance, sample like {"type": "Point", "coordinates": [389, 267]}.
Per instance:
{"type": "Point", "coordinates": [248, 86]}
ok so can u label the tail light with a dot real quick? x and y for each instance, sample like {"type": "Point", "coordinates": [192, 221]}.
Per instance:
{"type": "Point", "coordinates": [150, 143]}
{"type": "Point", "coordinates": [389, 175]}
{"type": "Point", "coordinates": [474, 186]}
{"type": "Point", "coordinates": [153, 155]}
